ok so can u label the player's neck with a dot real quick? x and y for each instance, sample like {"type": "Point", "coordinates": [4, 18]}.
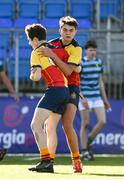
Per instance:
{"type": "Point", "coordinates": [65, 42]}
{"type": "Point", "coordinates": [41, 42]}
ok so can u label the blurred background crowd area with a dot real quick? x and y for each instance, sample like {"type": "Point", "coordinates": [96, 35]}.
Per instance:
{"type": "Point", "coordinates": [99, 19]}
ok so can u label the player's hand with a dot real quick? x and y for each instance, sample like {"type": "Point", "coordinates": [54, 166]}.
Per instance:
{"type": "Point", "coordinates": [85, 103]}
{"type": "Point", "coordinates": [107, 105]}
{"type": "Point", "coordinates": [35, 74]}
{"type": "Point", "coordinates": [16, 98]}
{"type": "Point", "coordinates": [45, 52]}
{"type": "Point", "coordinates": [78, 69]}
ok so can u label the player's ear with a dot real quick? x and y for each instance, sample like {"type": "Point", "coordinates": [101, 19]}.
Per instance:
{"type": "Point", "coordinates": [35, 40]}
{"type": "Point", "coordinates": [75, 31]}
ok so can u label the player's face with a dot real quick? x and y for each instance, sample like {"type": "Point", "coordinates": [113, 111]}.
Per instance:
{"type": "Point", "coordinates": [67, 33]}
{"type": "Point", "coordinates": [33, 43]}
{"type": "Point", "coordinates": [91, 53]}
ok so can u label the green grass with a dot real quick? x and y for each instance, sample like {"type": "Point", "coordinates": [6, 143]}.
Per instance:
{"type": "Point", "coordinates": [103, 168]}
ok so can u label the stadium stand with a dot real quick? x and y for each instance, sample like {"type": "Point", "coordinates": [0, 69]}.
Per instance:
{"type": "Point", "coordinates": [5, 45]}
{"type": "Point", "coordinates": [5, 36]}
{"type": "Point", "coordinates": [22, 22]}
{"type": "Point", "coordinates": [81, 9]}
{"type": "Point", "coordinates": [52, 35]}
{"type": "Point", "coordinates": [24, 56]}
{"type": "Point", "coordinates": [6, 23]}
{"type": "Point", "coordinates": [50, 23]}
{"type": "Point", "coordinates": [121, 9]}
{"type": "Point", "coordinates": [15, 15]}
{"type": "Point", "coordinates": [108, 8]}
{"type": "Point", "coordinates": [54, 9]}
{"type": "Point", "coordinates": [82, 38]}
{"type": "Point", "coordinates": [23, 43]}
{"type": "Point", "coordinates": [2, 54]}
{"type": "Point", "coordinates": [84, 24]}
{"type": "Point", "coordinates": [7, 9]}
{"type": "Point", "coordinates": [29, 9]}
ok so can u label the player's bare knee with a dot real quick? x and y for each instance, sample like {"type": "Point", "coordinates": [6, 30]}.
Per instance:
{"type": "Point", "coordinates": [48, 129]}
{"type": "Point", "coordinates": [33, 126]}
{"type": "Point", "coordinates": [102, 123]}
{"type": "Point", "coordinates": [85, 125]}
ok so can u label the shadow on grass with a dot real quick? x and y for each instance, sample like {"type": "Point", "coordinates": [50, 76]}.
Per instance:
{"type": "Point", "coordinates": [28, 160]}
{"type": "Point", "coordinates": [96, 174]}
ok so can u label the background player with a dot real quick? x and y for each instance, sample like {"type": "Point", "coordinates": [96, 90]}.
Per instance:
{"type": "Point", "coordinates": [92, 88]}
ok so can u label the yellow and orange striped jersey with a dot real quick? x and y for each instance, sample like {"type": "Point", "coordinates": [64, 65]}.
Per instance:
{"type": "Point", "coordinates": [74, 52]}
{"type": "Point", "coordinates": [49, 71]}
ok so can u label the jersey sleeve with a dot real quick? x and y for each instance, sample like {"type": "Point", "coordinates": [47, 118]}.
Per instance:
{"type": "Point", "coordinates": [35, 59]}
{"type": "Point", "coordinates": [75, 56]}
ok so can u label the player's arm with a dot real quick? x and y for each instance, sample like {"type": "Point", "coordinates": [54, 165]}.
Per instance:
{"type": "Point", "coordinates": [66, 68]}
{"type": "Point", "coordinates": [84, 101]}
{"type": "Point", "coordinates": [35, 72]}
{"type": "Point", "coordinates": [103, 93]}
{"type": "Point", "coordinates": [9, 85]}
{"type": "Point", "coordinates": [77, 69]}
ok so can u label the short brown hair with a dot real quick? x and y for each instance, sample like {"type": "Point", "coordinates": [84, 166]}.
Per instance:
{"type": "Point", "coordinates": [90, 44]}
{"type": "Point", "coordinates": [36, 30]}
{"type": "Point", "coordinates": [69, 21]}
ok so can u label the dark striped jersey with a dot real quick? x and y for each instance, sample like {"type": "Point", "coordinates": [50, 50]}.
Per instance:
{"type": "Point", "coordinates": [90, 74]}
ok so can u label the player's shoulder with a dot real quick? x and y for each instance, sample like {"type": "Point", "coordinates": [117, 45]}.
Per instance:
{"type": "Point", "coordinates": [75, 43]}
{"type": "Point", "coordinates": [99, 60]}
{"type": "Point", "coordinates": [54, 40]}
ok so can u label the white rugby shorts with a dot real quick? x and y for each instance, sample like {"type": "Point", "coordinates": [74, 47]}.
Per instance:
{"type": "Point", "coordinates": [93, 103]}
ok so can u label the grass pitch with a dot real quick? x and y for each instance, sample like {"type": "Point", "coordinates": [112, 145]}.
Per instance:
{"type": "Point", "coordinates": [103, 168]}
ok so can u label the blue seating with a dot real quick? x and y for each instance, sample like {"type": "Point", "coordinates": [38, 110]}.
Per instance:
{"type": "Point", "coordinates": [84, 24]}
{"type": "Point", "coordinates": [24, 63]}
{"type": "Point", "coordinates": [6, 23]}
{"type": "Point", "coordinates": [108, 8]}
{"type": "Point", "coordinates": [82, 38]}
{"type": "Point", "coordinates": [24, 70]}
{"type": "Point", "coordinates": [29, 8]}
{"type": "Point", "coordinates": [50, 23]}
{"type": "Point", "coordinates": [121, 9]}
{"type": "Point", "coordinates": [55, 9]}
{"type": "Point", "coordinates": [5, 44]}
{"type": "Point", "coordinates": [52, 36]}
{"type": "Point", "coordinates": [7, 9]}
{"type": "Point", "coordinates": [3, 54]}
{"type": "Point", "coordinates": [22, 22]}
{"type": "Point", "coordinates": [5, 39]}
{"type": "Point", "coordinates": [24, 54]}
{"type": "Point", "coordinates": [81, 9]}
{"type": "Point", "coordinates": [22, 40]}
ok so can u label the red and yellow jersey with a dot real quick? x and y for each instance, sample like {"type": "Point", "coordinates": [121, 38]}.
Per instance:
{"type": "Point", "coordinates": [49, 71]}
{"type": "Point", "coordinates": [74, 57]}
